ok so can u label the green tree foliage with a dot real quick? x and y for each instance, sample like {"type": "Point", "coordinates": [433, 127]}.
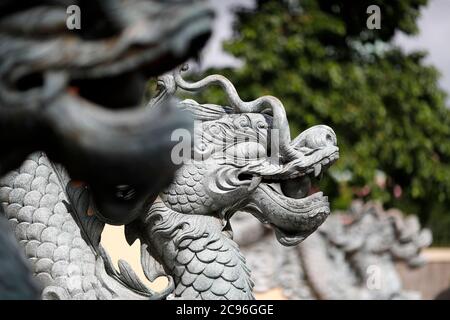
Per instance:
{"type": "Point", "coordinates": [385, 105]}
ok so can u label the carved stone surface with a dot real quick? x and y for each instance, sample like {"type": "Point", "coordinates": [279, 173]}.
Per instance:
{"type": "Point", "coordinates": [51, 222]}
{"type": "Point", "coordinates": [185, 233]}
{"type": "Point", "coordinates": [351, 256]}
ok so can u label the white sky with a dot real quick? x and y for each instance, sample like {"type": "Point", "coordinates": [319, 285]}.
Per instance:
{"type": "Point", "coordinates": [434, 36]}
{"type": "Point", "coordinates": [213, 55]}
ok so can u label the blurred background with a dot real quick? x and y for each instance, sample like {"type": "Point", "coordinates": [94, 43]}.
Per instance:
{"type": "Point", "coordinates": [384, 92]}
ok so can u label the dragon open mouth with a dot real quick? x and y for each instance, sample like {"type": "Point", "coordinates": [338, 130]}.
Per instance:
{"type": "Point", "coordinates": [292, 204]}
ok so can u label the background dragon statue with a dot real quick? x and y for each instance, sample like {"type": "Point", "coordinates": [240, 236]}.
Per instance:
{"type": "Point", "coordinates": [185, 232]}
{"type": "Point", "coordinates": [351, 256]}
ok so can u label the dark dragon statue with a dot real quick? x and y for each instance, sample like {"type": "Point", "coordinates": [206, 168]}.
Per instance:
{"type": "Point", "coordinates": [77, 96]}
{"type": "Point", "coordinates": [241, 158]}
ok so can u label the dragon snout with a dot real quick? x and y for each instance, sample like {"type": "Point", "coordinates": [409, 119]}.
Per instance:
{"type": "Point", "coordinates": [316, 137]}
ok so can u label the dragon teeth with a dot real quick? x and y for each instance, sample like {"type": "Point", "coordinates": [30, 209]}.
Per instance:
{"type": "Point", "coordinates": [317, 169]}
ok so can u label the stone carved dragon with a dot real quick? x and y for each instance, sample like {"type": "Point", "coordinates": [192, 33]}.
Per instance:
{"type": "Point", "coordinates": [185, 233]}
{"type": "Point", "coordinates": [351, 256]}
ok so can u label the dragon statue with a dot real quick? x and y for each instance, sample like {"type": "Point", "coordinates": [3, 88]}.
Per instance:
{"type": "Point", "coordinates": [351, 256]}
{"type": "Point", "coordinates": [241, 158]}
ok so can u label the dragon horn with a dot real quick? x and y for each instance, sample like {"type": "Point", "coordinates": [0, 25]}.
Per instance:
{"type": "Point", "coordinates": [280, 122]}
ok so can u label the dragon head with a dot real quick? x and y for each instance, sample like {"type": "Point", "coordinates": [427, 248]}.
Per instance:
{"type": "Point", "coordinates": [244, 159]}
